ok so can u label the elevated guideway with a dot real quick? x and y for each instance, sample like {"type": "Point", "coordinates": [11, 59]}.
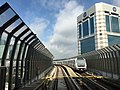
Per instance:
{"type": "Point", "coordinates": [62, 77]}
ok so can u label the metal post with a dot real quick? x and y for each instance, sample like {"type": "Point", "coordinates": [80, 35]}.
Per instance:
{"type": "Point", "coordinates": [17, 66]}
{"type": "Point", "coordinates": [110, 58]}
{"type": "Point", "coordinates": [22, 61]}
{"type": "Point", "coordinates": [26, 62]}
{"type": "Point", "coordinates": [11, 65]}
{"type": "Point", "coordinates": [2, 80]}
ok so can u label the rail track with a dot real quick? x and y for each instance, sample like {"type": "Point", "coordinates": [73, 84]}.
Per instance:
{"type": "Point", "coordinates": [70, 82]}
{"type": "Point", "coordinates": [60, 79]}
{"type": "Point", "coordinates": [93, 82]}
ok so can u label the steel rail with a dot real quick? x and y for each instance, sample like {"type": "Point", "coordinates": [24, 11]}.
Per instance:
{"type": "Point", "coordinates": [71, 84]}
{"type": "Point", "coordinates": [55, 82]}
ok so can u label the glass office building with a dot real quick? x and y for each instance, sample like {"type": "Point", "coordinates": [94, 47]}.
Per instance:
{"type": "Point", "coordinates": [98, 27]}
{"type": "Point", "coordinates": [89, 43]}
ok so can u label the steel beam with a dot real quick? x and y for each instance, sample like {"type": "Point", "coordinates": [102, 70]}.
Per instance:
{"type": "Point", "coordinates": [4, 7]}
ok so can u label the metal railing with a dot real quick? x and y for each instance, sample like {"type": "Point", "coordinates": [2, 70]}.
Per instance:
{"type": "Point", "coordinates": [22, 53]}
{"type": "Point", "coordinates": [105, 61]}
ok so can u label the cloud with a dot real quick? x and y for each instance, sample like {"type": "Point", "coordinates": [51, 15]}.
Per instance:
{"type": "Point", "coordinates": [116, 2]}
{"type": "Point", "coordinates": [51, 3]}
{"type": "Point", "coordinates": [63, 42]}
{"type": "Point", "coordinates": [38, 25]}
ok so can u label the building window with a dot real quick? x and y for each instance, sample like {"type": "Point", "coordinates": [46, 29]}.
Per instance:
{"type": "Point", "coordinates": [100, 34]}
{"type": "Point", "coordinates": [101, 38]}
{"type": "Point", "coordinates": [101, 42]}
{"type": "Point", "coordinates": [107, 23]}
{"type": "Point", "coordinates": [114, 24]}
{"type": "Point", "coordinates": [80, 31]}
{"type": "Point", "coordinates": [85, 28]}
{"type": "Point", "coordinates": [92, 25]}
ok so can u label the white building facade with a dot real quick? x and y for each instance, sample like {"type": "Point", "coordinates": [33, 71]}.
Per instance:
{"type": "Point", "coordinates": [98, 27]}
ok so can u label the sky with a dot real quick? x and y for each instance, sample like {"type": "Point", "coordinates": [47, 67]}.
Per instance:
{"type": "Point", "coordinates": [54, 21]}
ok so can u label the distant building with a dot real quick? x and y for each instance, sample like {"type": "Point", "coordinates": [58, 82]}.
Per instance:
{"type": "Point", "coordinates": [98, 27]}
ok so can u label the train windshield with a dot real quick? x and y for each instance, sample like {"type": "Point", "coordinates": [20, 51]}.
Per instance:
{"type": "Point", "coordinates": [81, 62]}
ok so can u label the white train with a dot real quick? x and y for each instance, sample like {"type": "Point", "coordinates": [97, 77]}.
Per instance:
{"type": "Point", "coordinates": [77, 63]}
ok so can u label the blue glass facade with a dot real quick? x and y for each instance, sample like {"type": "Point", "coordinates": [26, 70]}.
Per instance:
{"type": "Point", "coordinates": [113, 40]}
{"type": "Point", "coordinates": [80, 30]}
{"type": "Point", "coordinates": [85, 28]}
{"type": "Point", "coordinates": [92, 25]}
{"type": "Point", "coordinates": [107, 23]}
{"type": "Point", "coordinates": [87, 45]}
{"type": "Point", "coordinates": [115, 24]}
